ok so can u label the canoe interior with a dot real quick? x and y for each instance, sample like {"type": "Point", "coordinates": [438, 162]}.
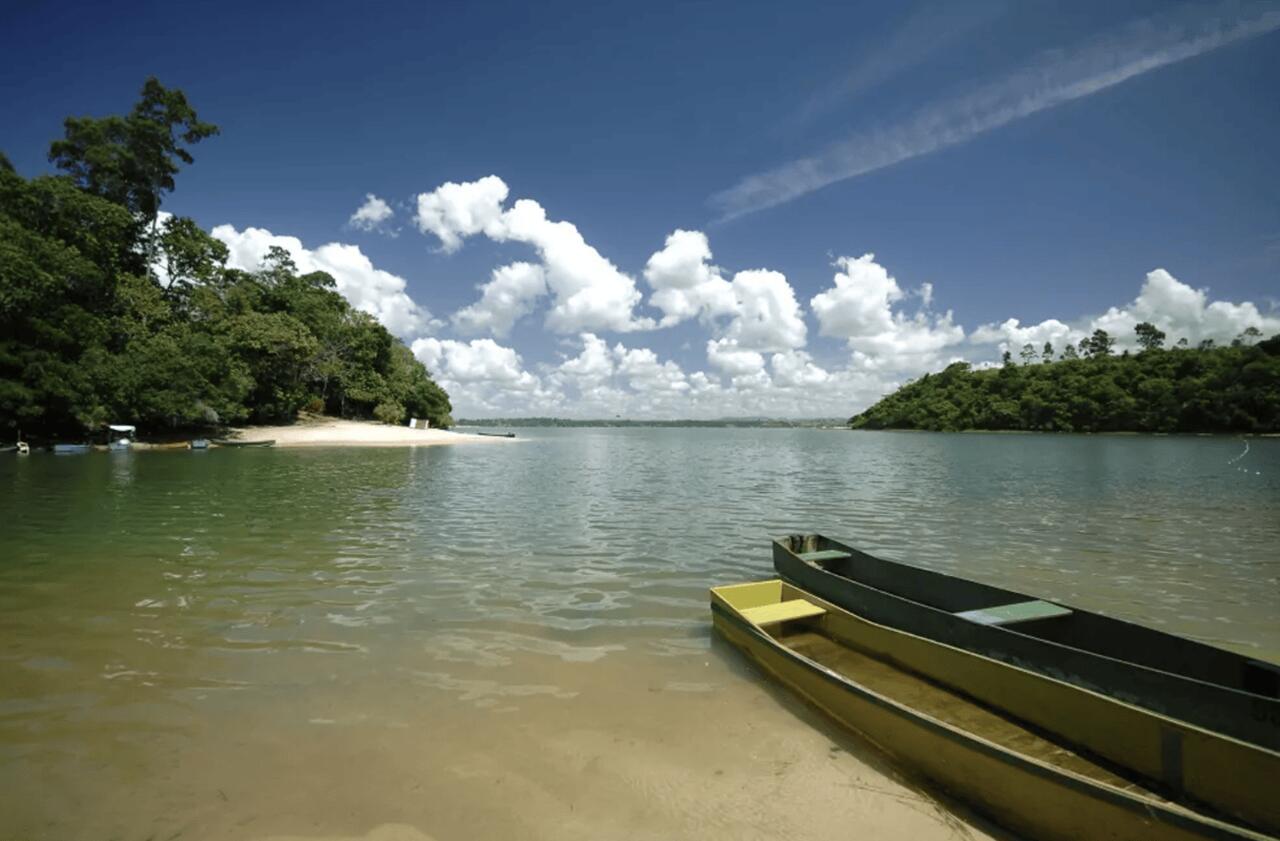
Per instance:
{"type": "Point", "coordinates": [820, 639]}
{"type": "Point", "coordinates": [1081, 629]}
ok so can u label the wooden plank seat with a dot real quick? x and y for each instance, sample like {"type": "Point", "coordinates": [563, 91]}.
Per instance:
{"type": "Point", "coordinates": [1011, 614]}
{"type": "Point", "coordinates": [773, 614]}
{"type": "Point", "coordinates": [824, 555]}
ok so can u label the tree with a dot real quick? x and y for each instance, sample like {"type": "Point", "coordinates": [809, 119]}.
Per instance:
{"type": "Point", "coordinates": [1028, 353]}
{"type": "Point", "coordinates": [1046, 355]}
{"type": "Point", "coordinates": [132, 160]}
{"type": "Point", "coordinates": [1006, 358]}
{"type": "Point", "coordinates": [1069, 352]}
{"type": "Point", "coordinates": [1205, 344]}
{"type": "Point", "coordinates": [1182, 343]}
{"type": "Point", "coordinates": [1098, 345]}
{"type": "Point", "coordinates": [106, 317]}
{"type": "Point", "coordinates": [1249, 336]}
{"type": "Point", "coordinates": [1150, 337]}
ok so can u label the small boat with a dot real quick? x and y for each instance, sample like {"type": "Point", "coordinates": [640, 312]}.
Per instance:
{"type": "Point", "coordinates": [1180, 678]}
{"type": "Point", "coordinates": [71, 449]}
{"type": "Point", "coordinates": [232, 442]}
{"type": "Point", "coordinates": [497, 434]}
{"type": "Point", "coordinates": [198, 444]}
{"type": "Point", "coordinates": [120, 436]}
{"type": "Point", "coordinates": [883, 684]}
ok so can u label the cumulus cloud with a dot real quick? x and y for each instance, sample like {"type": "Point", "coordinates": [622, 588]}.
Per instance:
{"type": "Point", "coordinates": [725, 355]}
{"type": "Point", "coordinates": [1178, 309]}
{"type": "Point", "coordinates": [588, 292]}
{"type": "Point", "coordinates": [510, 295]}
{"type": "Point", "coordinates": [377, 292]}
{"type": "Point", "coordinates": [453, 212]}
{"type": "Point", "coordinates": [860, 308]}
{"type": "Point", "coordinates": [371, 214]}
{"type": "Point", "coordinates": [685, 283]}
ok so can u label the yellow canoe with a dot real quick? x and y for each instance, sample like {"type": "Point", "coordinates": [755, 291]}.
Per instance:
{"type": "Point", "coordinates": [1040, 756]}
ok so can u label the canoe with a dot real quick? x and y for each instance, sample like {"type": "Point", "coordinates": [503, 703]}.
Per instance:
{"type": "Point", "coordinates": [1180, 678]}
{"type": "Point", "coordinates": [497, 434]}
{"type": "Point", "coordinates": [72, 449]}
{"type": "Point", "coordinates": [229, 442]}
{"type": "Point", "coordinates": [198, 444]}
{"type": "Point", "coordinates": [881, 683]}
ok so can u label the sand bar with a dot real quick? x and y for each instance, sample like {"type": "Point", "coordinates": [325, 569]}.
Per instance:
{"type": "Point", "coordinates": [334, 432]}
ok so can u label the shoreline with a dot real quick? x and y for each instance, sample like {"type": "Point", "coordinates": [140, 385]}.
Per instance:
{"type": "Point", "coordinates": [336, 432]}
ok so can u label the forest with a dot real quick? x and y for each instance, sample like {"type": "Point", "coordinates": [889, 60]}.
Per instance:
{"type": "Point", "coordinates": [1089, 388]}
{"type": "Point", "coordinates": [112, 311]}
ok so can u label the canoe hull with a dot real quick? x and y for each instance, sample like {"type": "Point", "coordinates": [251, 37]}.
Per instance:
{"type": "Point", "coordinates": [1020, 793]}
{"type": "Point", "coordinates": [1234, 712]}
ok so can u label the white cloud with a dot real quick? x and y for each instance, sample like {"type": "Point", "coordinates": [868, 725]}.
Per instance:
{"type": "Point", "coordinates": [1056, 77]}
{"type": "Point", "coordinates": [767, 315]}
{"type": "Point", "coordinates": [725, 355]}
{"type": "Point", "coordinates": [859, 308]}
{"type": "Point", "coordinates": [795, 368]}
{"type": "Point", "coordinates": [1181, 311]}
{"type": "Point", "coordinates": [455, 211]}
{"type": "Point", "coordinates": [377, 292]}
{"type": "Point", "coordinates": [371, 214]}
{"type": "Point", "coordinates": [510, 295]}
{"type": "Point", "coordinates": [685, 283]}
{"type": "Point", "coordinates": [588, 291]}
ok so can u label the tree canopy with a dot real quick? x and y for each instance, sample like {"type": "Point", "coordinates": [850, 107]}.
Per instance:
{"type": "Point", "coordinates": [1211, 389]}
{"type": "Point", "coordinates": [108, 313]}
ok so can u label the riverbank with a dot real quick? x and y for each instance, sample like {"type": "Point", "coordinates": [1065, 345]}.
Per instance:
{"type": "Point", "coordinates": [316, 431]}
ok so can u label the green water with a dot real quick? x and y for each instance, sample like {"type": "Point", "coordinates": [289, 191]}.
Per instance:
{"type": "Point", "coordinates": [512, 640]}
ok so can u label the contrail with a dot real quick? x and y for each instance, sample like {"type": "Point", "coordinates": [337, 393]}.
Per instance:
{"type": "Point", "coordinates": [1055, 78]}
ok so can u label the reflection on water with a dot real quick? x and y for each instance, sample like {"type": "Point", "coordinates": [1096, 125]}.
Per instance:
{"type": "Point", "coordinates": [513, 640]}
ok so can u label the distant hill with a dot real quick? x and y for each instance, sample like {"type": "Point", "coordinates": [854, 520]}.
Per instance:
{"type": "Point", "coordinates": [759, 423]}
{"type": "Point", "coordinates": [1206, 389]}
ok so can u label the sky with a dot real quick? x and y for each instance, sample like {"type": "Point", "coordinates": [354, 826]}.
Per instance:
{"type": "Point", "coordinates": [711, 209]}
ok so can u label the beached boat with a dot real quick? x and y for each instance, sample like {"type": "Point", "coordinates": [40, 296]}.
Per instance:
{"type": "Point", "coordinates": [1197, 683]}
{"type": "Point", "coordinates": [497, 434]}
{"type": "Point", "coordinates": [198, 444]}
{"type": "Point", "coordinates": [120, 436]}
{"type": "Point", "coordinates": [928, 706]}
{"type": "Point", "coordinates": [72, 449]}
{"type": "Point", "coordinates": [231, 442]}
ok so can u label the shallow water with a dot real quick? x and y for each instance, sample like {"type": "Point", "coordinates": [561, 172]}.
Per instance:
{"type": "Point", "coordinates": [513, 640]}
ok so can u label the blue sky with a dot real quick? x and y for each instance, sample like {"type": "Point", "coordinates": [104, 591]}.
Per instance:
{"type": "Point", "coordinates": [1065, 165]}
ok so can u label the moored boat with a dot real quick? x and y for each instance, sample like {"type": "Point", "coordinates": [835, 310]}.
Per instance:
{"type": "Point", "coordinates": [71, 449]}
{"type": "Point", "coordinates": [868, 678]}
{"type": "Point", "coordinates": [232, 442]}
{"type": "Point", "coordinates": [198, 444]}
{"type": "Point", "coordinates": [1180, 678]}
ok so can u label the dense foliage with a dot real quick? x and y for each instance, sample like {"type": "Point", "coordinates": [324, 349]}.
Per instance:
{"type": "Point", "coordinates": [111, 312]}
{"type": "Point", "coordinates": [1205, 389]}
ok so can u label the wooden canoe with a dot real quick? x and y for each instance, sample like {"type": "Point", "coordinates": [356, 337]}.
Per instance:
{"type": "Point", "coordinates": [1180, 678]}
{"type": "Point", "coordinates": [881, 683]}
{"type": "Point", "coordinates": [231, 442]}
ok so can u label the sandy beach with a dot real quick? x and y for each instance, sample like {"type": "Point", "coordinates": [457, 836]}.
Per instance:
{"type": "Point", "coordinates": [315, 431]}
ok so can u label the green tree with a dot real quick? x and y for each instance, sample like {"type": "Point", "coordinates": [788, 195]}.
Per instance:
{"type": "Point", "coordinates": [132, 160]}
{"type": "Point", "coordinates": [1150, 337]}
{"type": "Point", "coordinates": [1028, 353]}
{"type": "Point", "coordinates": [1069, 352]}
{"type": "Point", "coordinates": [1099, 345]}
{"type": "Point", "coordinates": [1046, 355]}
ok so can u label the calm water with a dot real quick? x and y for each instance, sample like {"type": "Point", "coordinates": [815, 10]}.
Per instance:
{"type": "Point", "coordinates": [512, 640]}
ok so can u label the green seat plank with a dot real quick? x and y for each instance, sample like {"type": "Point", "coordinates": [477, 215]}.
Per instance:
{"type": "Point", "coordinates": [1010, 614]}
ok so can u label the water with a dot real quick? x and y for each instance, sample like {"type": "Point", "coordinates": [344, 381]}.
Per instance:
{"type": "Point", "coordinates": [512, 639]}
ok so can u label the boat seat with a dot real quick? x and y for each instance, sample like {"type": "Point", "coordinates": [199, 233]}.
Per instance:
{"type": "Point", "coordinates": [824, 555]}
{"type": "Point", "coordinates": [1011, 614]}
{"type": "Point", "coordinates": [773, 614]}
